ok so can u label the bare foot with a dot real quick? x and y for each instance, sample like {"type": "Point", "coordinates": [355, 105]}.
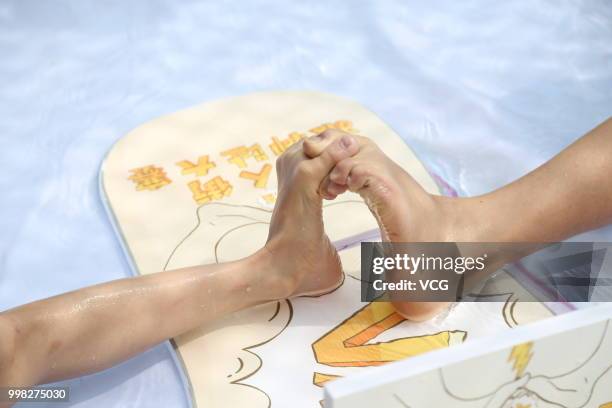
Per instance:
{"type": "Point", "coordinates": [301, 251]}
{"type": "Point", "coordinates": [404, 210]}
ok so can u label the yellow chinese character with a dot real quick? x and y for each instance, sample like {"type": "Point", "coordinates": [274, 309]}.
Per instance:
{"type": "Point", "coordinates": [200, 169]}
{"type": "Point", "coordinates": [278, 146]}
{"type": "Point", "coordinates": [214, 189]}
{"type": "Point", "coordinates": [149, 178]}
{"type": "Point", "coordinates": [261, 178]}
{"type": "Point", "coordinates": [238, 155]}
{"type": "Point", "coordinates": [343, 125]}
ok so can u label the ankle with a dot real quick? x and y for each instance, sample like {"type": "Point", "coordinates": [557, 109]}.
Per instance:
{"type": "Point", "coordinates": [457, 220]}
{"type": "Point", "coordinates": [277, 282]}
{"type": "Point", "coordinates": [470, 219]}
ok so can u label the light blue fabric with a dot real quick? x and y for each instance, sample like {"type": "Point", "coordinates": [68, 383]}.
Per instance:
{"type": "Point", "coordinates": [483, 91]}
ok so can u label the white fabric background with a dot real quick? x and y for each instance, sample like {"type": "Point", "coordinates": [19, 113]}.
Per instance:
{"type": "Point", "coordinates": [483, 92]}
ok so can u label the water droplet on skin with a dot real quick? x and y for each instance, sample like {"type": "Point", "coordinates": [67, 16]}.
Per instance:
{"type": "Point", "coordinates": [248, 289]}
{"type": "Point", "coordinates": [209, 291]}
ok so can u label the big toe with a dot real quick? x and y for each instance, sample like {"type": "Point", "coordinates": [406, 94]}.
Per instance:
{"type": "Point", "coordinates": [315, 145]}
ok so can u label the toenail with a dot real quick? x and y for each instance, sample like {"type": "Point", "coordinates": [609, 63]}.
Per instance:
{"type": "Point", "coordinates": [345, 142]}
{"type": "Point", "coordinates": [314, 139]}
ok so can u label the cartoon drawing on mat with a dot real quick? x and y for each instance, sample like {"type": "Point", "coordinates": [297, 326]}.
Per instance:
{"type": "Point", "coordinates": [354, 341]}
{"type": "Point", "coordinates": [231, 224]}
{"type": "Point", "coordinates": [569, 370]}
{"type": "Point", "coordinates": [346, 345]}
{"type": "Point", "coordinates": [205, 195]}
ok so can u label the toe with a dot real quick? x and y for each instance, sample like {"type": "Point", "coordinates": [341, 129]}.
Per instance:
{"type": "Point", "coordinates": [315, 145]}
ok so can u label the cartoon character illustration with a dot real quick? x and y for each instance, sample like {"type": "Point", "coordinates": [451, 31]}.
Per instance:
{"type": "Point", "coordinates": [543, 373]}
{"type": "Point", "coordinates": [250, 349]}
